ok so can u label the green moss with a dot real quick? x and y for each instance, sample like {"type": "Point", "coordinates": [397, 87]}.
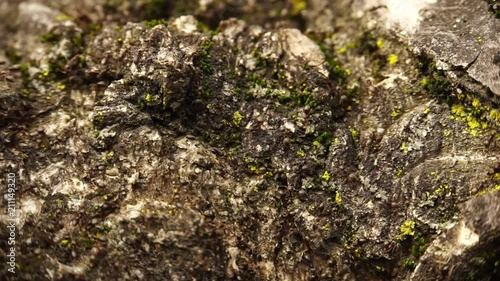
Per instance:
{"type": "Point", "coordinates": [77, 40]}
{"type": "Point", "coordinates": [141, 103]}
{"type": "Point", "coordinates": [206, 137]}
{"type": "Point", "coordinates": [494, 8]}
{"type": "Point", "coordinates": [25, 76]}
{"type": "Point", "coordinates": [206, 91]}
{"type": "Point", "coordinates": [325, 139]}
{"type": "Point", "coordinates": [262, 62]}
{"type": "Point", "coordinates": [419, 246]}
{"type": "Point", "coordinates": [56, 71]}
{"type": "Point", "coordinates": [154, 22]}
{"type": "Point", "coordinates": [335, 68]}
{"type": "Point", "coordinates": [235, 139]}
{"type": "Point", "coordinates": [368, 44]}
{"type": "Point", "coordinates": [94, 29]}
{"type": "Point", "coordinates": [206, 46]}
{"type": "Point", "coordinates": [437, 86]}
{"type": "Point", "coordinates": [13, 55]}
{"type": "Point", "coordinates": [237, 91]}
{"type": "Point", "coordinates": [206, 64]}
{"type": "Point", "coordinates": [338, 198]}
{"type": "Point", "coordinates": [352, 91]}
{"type": "Point", "coordinates": [50, 38]}
{"type": "Point", "coordinates": [257, 80]}
{"type": "Point", "coordinates": [87, 243]}
{"type": "Point", "coordinates": [409, 263]}
{"type": "Point", "coordinates": [434, 81]}
{"type": "Point", "coordinates": [103, 229]}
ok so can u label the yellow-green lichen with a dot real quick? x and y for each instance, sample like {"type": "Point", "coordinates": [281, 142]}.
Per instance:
{"type": "Point", "coordinates": [473, 123]}
{"type": "Point", "coordinates": [392, 59]}
{"type": "Point", "coordinates": [495, 188]}
{"type": "Point", "coordinates": [325, 176]}
{"type": "Point", "coordinates": [407, 229]}
{"type": "Point", "coordinates": [342, 50]}
{"type": "Point", "coordinates": [380, 43]}
{"type": "Point", "coordinates": [237, 118]}
{"type": "Point", "coordinates": [338, 198]}
{"type": "Point", "coordinates": [297, 7]}
{"type": "Point", "coordinates": [441, 189]}
{"type": "Point", "coordinates": [355, 134]}
{"type": "Point", "coordinates": [404, 148]}
{"type": "Point", "coordinates": [399, 172]}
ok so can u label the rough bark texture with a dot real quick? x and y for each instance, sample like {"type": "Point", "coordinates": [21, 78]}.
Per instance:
{"type": "Point", "coordinates": [251, 140]}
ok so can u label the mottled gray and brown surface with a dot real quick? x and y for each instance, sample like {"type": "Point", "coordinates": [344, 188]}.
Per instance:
{"type": "Point", "coordinates": [251, 140]}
